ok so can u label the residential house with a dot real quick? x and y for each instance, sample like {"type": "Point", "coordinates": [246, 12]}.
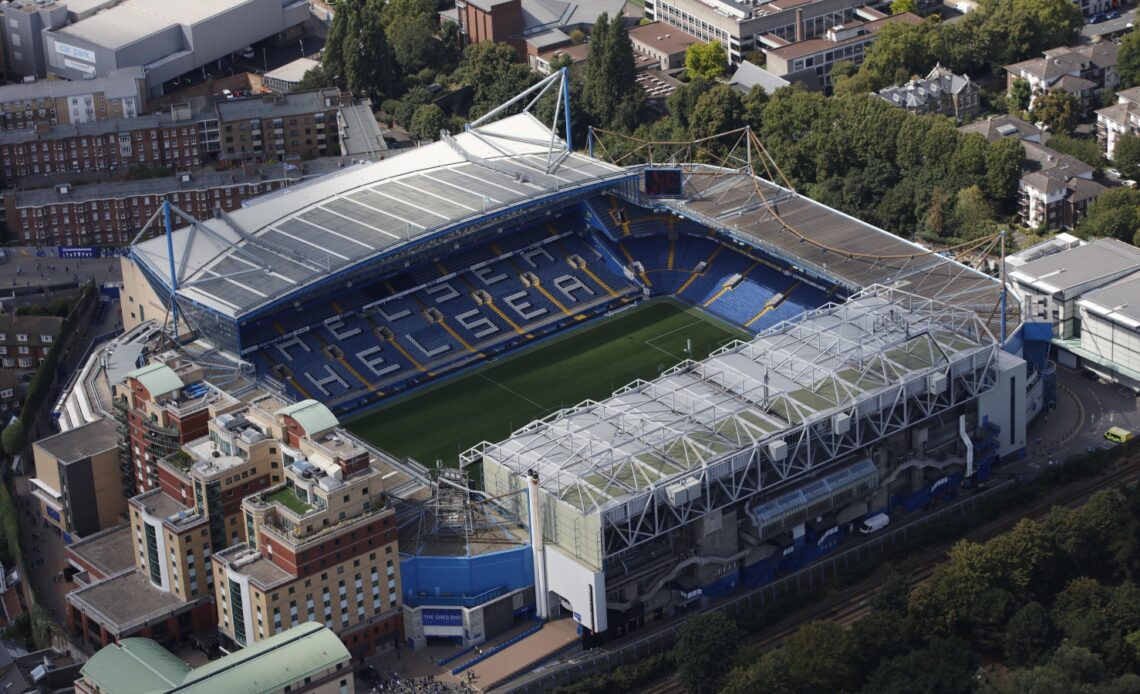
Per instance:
{"type": "Point", "coordinates": [1122, 118]}
{"type": "Point", "coordinates": [1084, 71]}
{"type": "Point", "coordinates": [25, 340]}
{"type": "Point", "coordinates": [940, 92]}
{"type": "Point", "coordinates": [1055, 189]}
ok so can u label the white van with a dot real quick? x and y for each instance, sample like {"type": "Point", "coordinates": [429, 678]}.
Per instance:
{"type": "Point", "coordinates": [875, 523]}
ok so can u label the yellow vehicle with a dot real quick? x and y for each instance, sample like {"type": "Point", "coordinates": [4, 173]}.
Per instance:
{"type": "Point", "coordinates": [1118, 435]}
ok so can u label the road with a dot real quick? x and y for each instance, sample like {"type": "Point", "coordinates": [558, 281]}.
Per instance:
{"type": "Point", "coordinates": [1112, 26]}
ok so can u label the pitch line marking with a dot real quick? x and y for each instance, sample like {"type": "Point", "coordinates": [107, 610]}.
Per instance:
{"type": "Point", "coordinates": [509, 390]}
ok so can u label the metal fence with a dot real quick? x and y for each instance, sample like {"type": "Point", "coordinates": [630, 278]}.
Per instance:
{"type": "Point", "coordinates": [818, 575]}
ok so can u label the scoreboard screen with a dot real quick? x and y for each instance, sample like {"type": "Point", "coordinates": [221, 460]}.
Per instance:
{"type": "Point", "coordinates": [663, 182]}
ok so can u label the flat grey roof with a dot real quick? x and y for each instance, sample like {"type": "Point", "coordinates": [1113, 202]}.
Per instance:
{"type": "Point", "coordinates": [199, 180]}
{"type": "Point", "coordinates": [82, 442]}
{"type": "Point", "coordinates": [103, 127]}
{"type": "Point", "coordinates": [110, 551]}
{"type": "Point", "coordinates": [360, 134]}
{"type": "Point", "coordinates": [280, 243]}
{"type": "Point", "coordinates": [277, 105]}
{"type": "Point", "coordinates": [1119, 301]}
{"type": "Point", "coordinates": [1101, 259]}
{"type": "Point", "coordinates": [292, 72]}
{"type": "Point", "coordinates": [133, 20]}
{"type": "Point", "coordinates": [126, 601]}
{"type": "Point", "coordinates": [116, 85]}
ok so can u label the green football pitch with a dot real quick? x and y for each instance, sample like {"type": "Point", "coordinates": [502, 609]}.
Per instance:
{"type": "Point", "coordinates": [441, 421]}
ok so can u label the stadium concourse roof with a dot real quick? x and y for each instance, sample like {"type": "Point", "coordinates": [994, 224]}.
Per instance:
{"type": "Point", "coordinates": [829, 243]}
{"type": "Point", "coordinates": [599, 454]}
{"type": "Point", "coordinates": [242, 261]}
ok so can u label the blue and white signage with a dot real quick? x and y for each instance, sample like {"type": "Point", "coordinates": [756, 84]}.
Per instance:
{"type": "Point", "coordinates": [74, 52]}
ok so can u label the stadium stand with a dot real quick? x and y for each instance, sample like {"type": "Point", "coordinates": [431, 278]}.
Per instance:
{"type": "Point", "coordinates": [452, 309]}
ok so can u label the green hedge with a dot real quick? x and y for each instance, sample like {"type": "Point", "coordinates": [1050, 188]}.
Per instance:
{"type": "Point", "coordinates": [40, 387]}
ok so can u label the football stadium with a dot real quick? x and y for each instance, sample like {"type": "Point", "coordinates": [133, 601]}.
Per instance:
{"type": "Point", "coordinates": [680, 379]}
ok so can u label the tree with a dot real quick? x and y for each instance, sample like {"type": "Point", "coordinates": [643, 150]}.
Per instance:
{"type": "Point", "coordinates": [411, 26]}
{"type": "Point", "coordinates": [357, 55]}
{"type": "Point", "coordinates": [1058, 109]}
{"type": "Point", "coordinates": [1087, 151]}
{"type": "Point", "coordinates": [704, 650]}
{"type": "Point", "coordinates": [494, 72]}
{"type": "Point", "coordinates": [1004, 159]}
{"type": "Point", "coordinates": [892, 594]}
{"type": "Point", "coordinates": [706, 60]}
{"type": "Point", "coordinates": [427, 121]}
{"type": "Point", "coordinates": [1115, 213]}
{"type": "Point", "coordinates": [1020, 93]}
{"type": "Point", "coordinates": [946, 666]}
{"type": "Point", "coordinates": [1128, 59]}
{"type": "Point", "coordinates": [900, 6]}
{"type": "Point", "coordinates": [718, 110]}
{"type": "Point", "coordinates": [1015, 29]}
{"type": "Point", "coordinates": [1126, 156]}
{"type": "Point", "coordinates": [14, 439]}
{"type": "Point", "coordinates": [315, 78]}
{"type": "Point", "coordinates": [1030, 635]}
{"type": "Point", "coordinates": [899, 50]}
{"type": "Point", "coordinates": [610, 94]}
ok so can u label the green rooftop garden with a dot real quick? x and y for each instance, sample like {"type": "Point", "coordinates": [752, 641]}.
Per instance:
{"type": "Point", "coordinates": [289, 499]}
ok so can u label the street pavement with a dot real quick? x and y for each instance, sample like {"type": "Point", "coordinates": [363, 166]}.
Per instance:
{"type": "Point", "coordinates": [24, 268]}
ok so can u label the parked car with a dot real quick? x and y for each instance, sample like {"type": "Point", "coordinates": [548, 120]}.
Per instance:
{"type": "Point", "coordinates": [1112, 15]}
{"type": "Point", "coordinates": [1097, 19]}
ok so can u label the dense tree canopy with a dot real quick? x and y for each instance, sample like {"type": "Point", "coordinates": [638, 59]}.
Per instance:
{"type": "Point", "coordinates": [1128, 59]}
{"type": "Point", "coordinates": [1126, 156]}
{"type": "Point", "coordinates": [1115, 213]}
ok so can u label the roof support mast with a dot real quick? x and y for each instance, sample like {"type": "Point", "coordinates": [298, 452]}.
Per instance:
{"type": "Point", "coordinates": [173, 272]}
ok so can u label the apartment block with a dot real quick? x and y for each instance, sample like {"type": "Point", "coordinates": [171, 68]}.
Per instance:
{"type": "Point", "coordinates": [276, 126]}
{"type": "Point", "coordinates": [115, 212]}
{"type": "Point", "coordinates": [170, 138]}
{"type": "Point", "coordinates": [1122, 118]}
{"type": "Point", "coordinates": [157, 409]}
{"type": "Point", "coordinates": [77, 482]}
{"type": "Point", "coordinates": [1086, 71]}
{"type": "Point", "coordinates": [322, 545]}
{"type": "Point", "coordinates": [121, 94]}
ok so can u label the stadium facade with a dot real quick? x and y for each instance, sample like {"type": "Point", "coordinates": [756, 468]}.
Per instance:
{"type": "Point", "coordinates": [874, 378]}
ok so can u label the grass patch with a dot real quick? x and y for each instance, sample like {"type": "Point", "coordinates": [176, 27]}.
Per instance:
{"type": "Point", "coordinates": [491, 402]}
{"type": "Point", "coordinates": [290, 500]}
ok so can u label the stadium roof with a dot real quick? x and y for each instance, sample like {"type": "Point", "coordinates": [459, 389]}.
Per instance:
{"type": "Point", "coordinates": [252, 257]}
{"type": "Point", "coordinates": [599, 454]}
{"type": "Point", "coordinates": [813, 237]}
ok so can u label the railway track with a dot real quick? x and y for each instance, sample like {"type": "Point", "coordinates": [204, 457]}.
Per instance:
{"type": "Point", "coordinates": [851, 605]}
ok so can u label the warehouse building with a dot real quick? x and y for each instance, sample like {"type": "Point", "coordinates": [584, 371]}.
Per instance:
{"type": "Point", "coordinates": [168, 39]}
